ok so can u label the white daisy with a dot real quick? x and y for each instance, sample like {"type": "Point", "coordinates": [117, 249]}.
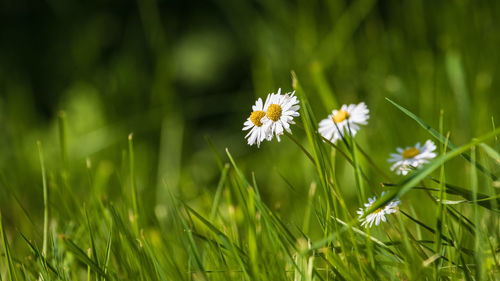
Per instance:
{"type": "Point", "coordinates": [412, 157]}
{"type": "Point", "coordinates": [280, 110]}
{"type": "Point", "coordinates": [255, 123]}
{"type": "Point", "coordinates": [379, 214]}
{"type": "Point", "coordinates": [348, 117]}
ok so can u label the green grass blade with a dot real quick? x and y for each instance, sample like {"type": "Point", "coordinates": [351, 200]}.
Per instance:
{"type": "Point", "coordinates": [43, 261]}
{"type": "Point", "coordinates": [45, 201]}
{"type": "Point", "coordinates": [456, 76]}
{"type": "Point", "coordinates": [109, 243]}
{"type": "Point", "coordinates": [239, 173]}
{"type": "Point", "coordinates": [310, 127]}
{"type": "Point", "coordinates": [159, 271]}
{"type": "Point", "coordinates": [317, 149]}
{"type": "Point", "coordinates": [307, 213]}
{"type": "Point", "coordinates": [190, 244]}
{"type": "Point", "coordinates": [63, 137]}
{"type": "Point", "coordinates": [462, 220]}
{"type": "Point", "coordinates": [491, 152]}
{"type": "Point", "coordinates": [478, 250]}
{"type": "Point", "coordinates": [218, 192]}
{"type": "Point", "coordinates": [10, 262]}
{"type": "Point", "coordinates": [237, 252]}
{"type": "Point", "coordinates": [131, 162]}
{"type": "Point", "coordinates": [91, 235]}
{"type": "Point", "coordinates": [368, 236]}
{"type": "Point", "coordinates": [357, 170]}
{"type": "Point", "coordinates": [214, 229]}
{"type": "Point", "coordinates": [433, 231]}
{"type": "Point", "coordinates": [323, 88]}
{"type": "Point", "coordinates": [442, 192]}
{"type": "Point", "coordinates": [218, 159]}
{"type": "Point", "coordinates": [83, 257]}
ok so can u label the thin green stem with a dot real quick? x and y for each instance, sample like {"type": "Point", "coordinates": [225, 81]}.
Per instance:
{"type": "Point", "coordinates": [10, 268]}
{"type": "Point", "coordinates": [45, 201]}
{"type": "Point", "coordinates": [132, 181]}
{"type": "Point", "coordinates": [478, 255]}
{"type": "Point", "coordinates": [440, 213]}
{"type": "Point", "coordinates": [357, 168]}
{"type": "Point", "coordinates": [63, 139]}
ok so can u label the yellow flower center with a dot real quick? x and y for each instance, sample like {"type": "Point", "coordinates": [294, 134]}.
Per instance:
{"type": "Point", "coordinates": [378, 210]}
{"type": "Point", "coordinates": [256, 116]}
{"type": "Point", "coordinates": [340, 116]}
{"type": "Point", "coordinates": [274, 112]}
{"type": "Point", "coordinates": [410, 152]}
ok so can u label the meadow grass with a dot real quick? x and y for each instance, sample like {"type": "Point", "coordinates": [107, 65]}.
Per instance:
{"type": "Point", "coordinates": [239, 237]}
{"type": "Point", "coordinates": [82, 201]}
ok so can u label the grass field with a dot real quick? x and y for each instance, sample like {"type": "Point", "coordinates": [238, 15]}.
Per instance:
{"type": "Point", "coordinates": [122, 155]}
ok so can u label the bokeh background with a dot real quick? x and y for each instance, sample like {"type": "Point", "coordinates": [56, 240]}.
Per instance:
{"type": "Point", "coordinates": [176, 73]}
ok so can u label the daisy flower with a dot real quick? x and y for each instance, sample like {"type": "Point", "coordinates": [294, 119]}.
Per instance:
{"type": "Point", "coordinates": [348, 117]}
{"type": "Point", "coordinates": [280, 110]}
{"type": "Point", "coordinates": [412, 157]}
{"type": "Point", "coordinates": [379, 214]}
{"type": "Point", "coordinates": [255, 123]}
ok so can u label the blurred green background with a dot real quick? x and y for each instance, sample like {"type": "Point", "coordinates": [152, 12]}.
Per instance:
{"type": "Point", "coordinates": [176, 72]}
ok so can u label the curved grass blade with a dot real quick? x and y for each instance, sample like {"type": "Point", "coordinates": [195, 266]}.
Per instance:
{"type": "Point", "coordinates": [323, 88]}
{"type": "Point", "coordinates": [91, 235]}
{"type": "Point", "coordinates": [212, 228]}
{"type": "Point", "coordinates": [433, 231]}
{"type": "Point", "coordinates": [191, 243]}
{"type": "Point", "coordinates": [37, 254]}
{"type": "Point", "coordinates": [218, 192]}
{"type": "Point", "coordinates": [108, 248]}
{"type": "Point", "coordinates": [237, 252]}
{"type": "Point", "coordinates": [45, 201]}
{"type": "Point", "coordinates": [217, 157]}
{"type": "Point", "coordinates": [461, 219]}
{"type": "Point", "coordinates": [132, 181]}
{"type": "Point", "coordinates": [491, 152]}
{"type": "Point", "coordinates": [310, 127]}
{"type": "Point", "coordinates": [82, 256]}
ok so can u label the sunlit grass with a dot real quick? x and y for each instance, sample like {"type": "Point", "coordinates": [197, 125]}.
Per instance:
{"type": "Point", "coordinates": [184, 198]}
{"type": "Point", "coordinates": [240, 237]}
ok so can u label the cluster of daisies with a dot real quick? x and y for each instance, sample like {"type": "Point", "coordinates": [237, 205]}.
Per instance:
{"type": "Point", "coordinates": [275, 115]}
{"type": "Point", "coordinates": [272, 117]}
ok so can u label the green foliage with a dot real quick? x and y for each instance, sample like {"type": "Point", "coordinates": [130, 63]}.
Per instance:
{"type": "Point", "coordinates": [184, 197]}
